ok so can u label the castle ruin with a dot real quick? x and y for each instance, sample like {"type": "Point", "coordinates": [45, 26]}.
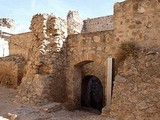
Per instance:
{"type": "Point", "coordinates": [50, 63]}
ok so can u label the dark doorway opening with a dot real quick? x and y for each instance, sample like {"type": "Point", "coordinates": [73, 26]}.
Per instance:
{"type": "Point", "coordinates": [92, 92]}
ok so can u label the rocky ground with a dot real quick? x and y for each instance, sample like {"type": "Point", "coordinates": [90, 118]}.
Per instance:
{"type": "Point", "coordinates": [53, 111]}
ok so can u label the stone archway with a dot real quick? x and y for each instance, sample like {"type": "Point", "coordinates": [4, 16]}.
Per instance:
{"type": "Point", "coordinates": [74, 81]}
{"type": "Point", "coordinates": [74, 75]}
{"type": "Point", "coordinates": [92, 92]}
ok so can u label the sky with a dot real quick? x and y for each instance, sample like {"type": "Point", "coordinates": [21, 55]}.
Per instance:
{"type": "Point", "coordinates": [23, 10]}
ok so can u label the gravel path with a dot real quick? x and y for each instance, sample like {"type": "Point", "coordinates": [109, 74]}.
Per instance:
{"type": "Point", "coordinates": [53, 111]}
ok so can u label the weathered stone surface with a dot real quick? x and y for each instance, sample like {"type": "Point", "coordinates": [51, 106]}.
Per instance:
{"type": "Point", "coordinates": [136, 93]}
{"type": "Point", "coordinates": [21, 44]}
{"type": "Point", "coordinates": [98, 24]}
{"type": "Point", "coordinates": [87, 57]}
{"type": "Point", "coordinates": [56, 63]}
{"type": "Point", "coordinates": [74, 23]}
{"type": "Point", "coordinates": [46, 62]}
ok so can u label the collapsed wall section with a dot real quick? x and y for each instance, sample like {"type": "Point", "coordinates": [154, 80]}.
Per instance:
{"type": "Point", "coordinates": [45, 80]}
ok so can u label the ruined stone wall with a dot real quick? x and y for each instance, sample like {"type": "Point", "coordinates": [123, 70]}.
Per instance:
{"type": "Point", "coordinates": [21, 44]}
{"type": "Point", "coordinates": [136, 91]}
{"type": "Point", "coordinates": [86, 54]}
{"type": "Point", "coordinates": [45, 78]}
{"type": "Point", "coordinates": [98, 24]}
{"type": "Point", "coordinates": [74, 23]}
{"type": "Point", "coordinates": [12, 71]}
{"type": "Point", "coordinates": [137, 20]}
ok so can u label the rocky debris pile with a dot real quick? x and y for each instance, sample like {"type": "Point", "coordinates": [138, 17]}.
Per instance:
{"type": "Point", "coordinates": [74, 22]}
{"type": "Point", "coordinates": [12, 71]}
{"type": "Point", "coordinates": [136, 91]}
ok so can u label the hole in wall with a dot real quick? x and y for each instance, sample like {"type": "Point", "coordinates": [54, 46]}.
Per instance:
{"type": "Point", "coordinates": [92, 93]}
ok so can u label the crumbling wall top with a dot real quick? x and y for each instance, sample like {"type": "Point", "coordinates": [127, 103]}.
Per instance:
{"type": "Point", "coordinates": [98, 24]}
{"type": "Point", "coordinates": [74, 22]}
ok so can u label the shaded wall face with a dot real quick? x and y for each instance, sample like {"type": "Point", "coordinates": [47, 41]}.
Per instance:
{"type": "Point", "coordinates": [12, 71]}
{"type": "Point", "coordinates": [137, 20]}
{"type": "Point", "coordinates": [92, 92]}
{"type": "Point", "coordinates": [21, 45]}
{"type": "Point", "coordinates": [97, 70]}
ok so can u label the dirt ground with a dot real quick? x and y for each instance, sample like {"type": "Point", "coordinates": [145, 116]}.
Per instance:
{"type": "Point", "coordinates": [54, 111]}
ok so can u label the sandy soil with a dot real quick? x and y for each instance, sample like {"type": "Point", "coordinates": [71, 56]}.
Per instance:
{"type": "Point", "coordinates": [53, 111]}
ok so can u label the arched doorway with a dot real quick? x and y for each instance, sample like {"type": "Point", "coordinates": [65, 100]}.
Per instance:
{"type": "Point", "coordinates": [92, 92]}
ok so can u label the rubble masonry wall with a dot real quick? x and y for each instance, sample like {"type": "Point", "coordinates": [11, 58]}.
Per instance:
{"type": "Point", "coordinates": [98, 24]}
{"type": "Point", "coordinates": [45, 79]}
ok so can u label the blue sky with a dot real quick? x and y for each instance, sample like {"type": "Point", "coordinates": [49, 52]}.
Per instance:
{"type": "Point", "coordinates": [23, 10]}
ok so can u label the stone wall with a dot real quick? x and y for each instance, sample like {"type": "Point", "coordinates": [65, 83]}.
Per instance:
{"type": "Point", "coordinates": [136, 91]}
{"type": "Point", "coordinates": [137, 20]}
{"type": "Point", "coordinates": [86, 55]}
{"type": "Point", "coordinates": [74, 23]}
{"type": "Point", "coordinates": [21, 44]}
{"type": "Point", "coordinates": [98, 24]}
{"type": "Point", "coordinates": [12, 71]}
{"type": "Point", "coordinates": [56, 64]}
{"type": "Point", "coordinates": [45, 80]}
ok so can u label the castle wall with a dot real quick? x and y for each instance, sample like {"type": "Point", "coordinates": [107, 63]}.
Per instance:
{"type": "Point", "coordinates": [21, 44]}
{"type": "Point", "coordinates": [98, 24]}
{"type": "Point", "coordinates": [137, 75]}
{"type": "Point", "coordinates": [137, 21]}
{"type": "Point", "coordinates": [86, 55]}
{"type": "Point", "coordinates": [136, 87]}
